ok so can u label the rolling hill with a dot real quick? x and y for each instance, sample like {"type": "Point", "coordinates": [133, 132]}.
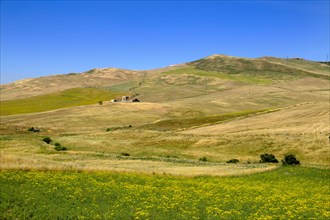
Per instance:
{"type": "Point", "coordinates": [99, 77]}
{"type": "Point", "coordinates": [219, 107]}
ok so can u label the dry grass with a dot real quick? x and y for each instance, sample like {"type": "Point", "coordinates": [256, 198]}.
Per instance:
{"type": "Point", "coordinates": [90, 118]}
{"type": "Point", "coordinates": [300, 127]}
{"type": "Point", "coordinates": [306, 118]}
{"type": "Point", "coordinates": [56, 83]}
{"type": "Point", "coordinates": [316, 68]}
{"type": "Point", "coordinates": [17, 162]}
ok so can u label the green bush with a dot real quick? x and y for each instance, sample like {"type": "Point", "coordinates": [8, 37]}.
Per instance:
{"type": "Point", "coordinates": [232, 161]}
{"type": "Point", "coordinates": [60, 148]}
{"type": "Point", "coordinates": [268, 158]}
{"type": "Point", "coordinates": [48, 140]}
{"type": "Point", "coordinates": [290, 159]}
{"type": "Point", "coordinates": [170, 156]}
{"type": "Point", "coordinates": [32, 129]}
{"type": "Point", "coordinates": [204, 159]}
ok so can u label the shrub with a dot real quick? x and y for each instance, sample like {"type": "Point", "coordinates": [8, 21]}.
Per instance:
{"type": "Point", "coordinates": [268, 158]}
{"type": "Point", "coordinates": [170, 156]}
{"type": "Point", "coordinates": [232, 161]}
{"type": "Point", "coordinates": [290, 159]}
{"type": "Point", "coordinates": [47, 140]}
{"type": "Point", "coordinates": [32, 129]}
{"type": "Point", "coordinates": [60, 148]}
{"type": "Point", "coordinates": [125, 154]}
{"type": "Point", "coordinates": [119, 128]}
{"type": "Point", "coordinates": [204, 159]}
{"type": "Point", "coordinates": [100, 102]}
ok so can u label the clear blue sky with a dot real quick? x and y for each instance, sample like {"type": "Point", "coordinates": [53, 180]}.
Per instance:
{"type": "Point", "coordinates": [51, 37]}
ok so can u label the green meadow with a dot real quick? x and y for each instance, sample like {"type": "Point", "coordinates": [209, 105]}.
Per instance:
{"type": "Point", "coordinates": [63, 99]}
{"type": "Point", "coordinates": [284, 193]}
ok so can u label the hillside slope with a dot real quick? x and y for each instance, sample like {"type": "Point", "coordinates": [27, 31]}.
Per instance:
{"type": "Point", "coordinates": [56, 83]}
{"type": "Point", "coordinates": [207, 71]}
{"type": "Point", "coordinates": [218, 107]}
{"type": "Point", "coordinates": [274, 68]}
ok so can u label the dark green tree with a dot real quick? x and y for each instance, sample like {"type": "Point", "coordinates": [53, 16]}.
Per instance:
{"type": "Point", "coordinates": [290, 159]}
{"type": "Point", "coordinates": [48, 140]}
{"type": "Point", "coordinates": [268, 158]}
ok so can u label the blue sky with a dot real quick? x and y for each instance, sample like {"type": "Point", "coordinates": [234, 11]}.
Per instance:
{"type": "Point", "coordinates": [41, 38]}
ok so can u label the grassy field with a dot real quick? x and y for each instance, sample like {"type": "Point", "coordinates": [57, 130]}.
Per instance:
{"type": "Point", "coordinates": [218, 126]}
{"type": "Point", "coordinates": [148, 150]}
{"type": "Point", "coordinates": [165, 157]}
{"type": "Point", "coordinates": [285, 193]}
{"type": "Point", "coordinates": [183, 123]}
{"type": "Point", "coordinates": [63, 99]}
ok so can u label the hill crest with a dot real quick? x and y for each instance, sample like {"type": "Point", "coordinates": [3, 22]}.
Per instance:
{"type": "Point", "coordinates": [234, 67]}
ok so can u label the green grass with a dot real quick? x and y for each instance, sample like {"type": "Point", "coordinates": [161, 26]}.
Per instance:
{"type": "Point", "coordinates": [63, 99]}
{"type": "Point", "coordinates": [123, 87]}
{"type": "Point", "coordinates": [286, 193]}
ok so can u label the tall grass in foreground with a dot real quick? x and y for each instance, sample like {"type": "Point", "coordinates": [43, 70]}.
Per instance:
{"type": "Point", "coordinates": [286, 193]}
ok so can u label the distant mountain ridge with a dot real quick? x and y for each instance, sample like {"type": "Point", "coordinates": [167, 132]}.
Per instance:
{"type": "Point", "coordinates": [266, 67]}
{"type": "Point", "coordinates": [234, 65]}
{"type": "Point", "coordinates": [97, 77]}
